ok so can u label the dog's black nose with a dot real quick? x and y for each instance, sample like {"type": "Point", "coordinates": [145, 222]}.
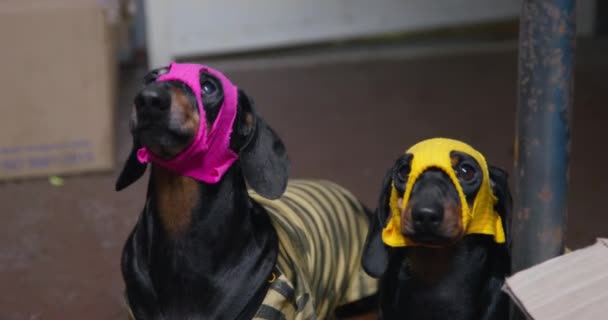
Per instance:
{"type": "Point", "coordinates": [427, 218]}
{"type": "Point", "coordinates": [153, 98]}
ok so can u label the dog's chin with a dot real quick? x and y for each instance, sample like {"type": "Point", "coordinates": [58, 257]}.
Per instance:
{"type": "Point", "coordinates": [433, 240]}
{"type": "Point", "coordinates": [162, 143]}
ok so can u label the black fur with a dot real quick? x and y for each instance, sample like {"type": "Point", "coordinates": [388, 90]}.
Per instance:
{"type": "Point", "coordinates": [466, 285]}
{"type": "Point", "coordinates": [264, 174]}
{"type": "Point", "coordinates": [218, 267]}
{"type": "Point", "coordinates": [133, 169]}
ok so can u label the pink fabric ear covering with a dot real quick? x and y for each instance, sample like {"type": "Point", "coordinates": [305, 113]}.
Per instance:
{"type": "Point", "coordinates": [209, 156]}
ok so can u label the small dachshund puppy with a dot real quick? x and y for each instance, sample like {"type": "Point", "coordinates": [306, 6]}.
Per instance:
{"type": "Point", "coordinates": [439, 239]}
{"type": "Point", "coordinates": [206, 246]}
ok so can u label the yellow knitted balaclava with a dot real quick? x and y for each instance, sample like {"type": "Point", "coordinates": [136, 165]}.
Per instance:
{"type": "Point", "coordinates": [480, 219]}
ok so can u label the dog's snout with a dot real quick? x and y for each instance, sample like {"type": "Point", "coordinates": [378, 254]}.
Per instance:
{"type": "Point", "coordinates": [428, 217]}
{"type": "Point", "coordinates": [153, 98]}
{"type": "Point", "coordinates": [432, 214]}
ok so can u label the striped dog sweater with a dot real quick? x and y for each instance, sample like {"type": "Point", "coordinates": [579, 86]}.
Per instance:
{"type": "Point", "coordinates": [321, 229]}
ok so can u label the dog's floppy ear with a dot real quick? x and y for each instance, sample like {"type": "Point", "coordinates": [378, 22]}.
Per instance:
{"type": "Point", "coordinates": [375, 252]}
{"type": "Point", "coordinates": [499, 179]}
{"type": "Point", "coordinates": [263, 156]}
{"type": "Point", "coordinates": [132, 169]}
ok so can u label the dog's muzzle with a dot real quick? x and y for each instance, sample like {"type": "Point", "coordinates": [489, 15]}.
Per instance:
{"type": "Point", "coordinates": [208, 157]}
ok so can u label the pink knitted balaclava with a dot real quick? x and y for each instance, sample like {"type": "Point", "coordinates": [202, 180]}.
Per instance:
{"type": "Point", "coordinates": [208, 157]}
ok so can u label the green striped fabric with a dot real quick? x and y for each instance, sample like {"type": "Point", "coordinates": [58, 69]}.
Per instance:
{"type": "Point", "coordinates": [321, 228]}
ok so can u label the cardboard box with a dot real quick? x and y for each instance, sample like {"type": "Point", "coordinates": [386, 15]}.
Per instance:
{"type": "Point", "coordinates": [57, 88]}
{"type": "Point", "coordinates": [571, 286]}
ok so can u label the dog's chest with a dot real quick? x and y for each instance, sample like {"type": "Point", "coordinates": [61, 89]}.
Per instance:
{"type": "Point", "coordinates": [443, 301]}
{"type": "Point", "coordinates": [437, 288]}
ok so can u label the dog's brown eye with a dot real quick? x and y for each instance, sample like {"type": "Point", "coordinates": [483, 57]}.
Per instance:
{"type": "Point", "coordinates": [208, 87]}
{"type": "Point", "coordinates": [466, 172]}
{"type": "Point", "coordinates": [404, 171]}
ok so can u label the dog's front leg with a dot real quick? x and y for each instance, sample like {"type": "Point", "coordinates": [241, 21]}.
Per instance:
{"type": "Point", "coordinates": [494, 303]}
{"type": "Point", "coordinates": [141, 296]}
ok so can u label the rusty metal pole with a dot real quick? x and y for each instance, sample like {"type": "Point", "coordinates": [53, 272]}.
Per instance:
{"type": "Point", "coordinates": [542, 144]}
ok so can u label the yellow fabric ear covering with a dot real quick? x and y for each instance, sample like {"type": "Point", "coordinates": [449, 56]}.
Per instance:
{"type": "Point", "coordinates": [479, 219]}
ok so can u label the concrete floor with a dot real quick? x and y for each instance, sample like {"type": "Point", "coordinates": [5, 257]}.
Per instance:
{"type": "Point", "coordinates": [344, 119]}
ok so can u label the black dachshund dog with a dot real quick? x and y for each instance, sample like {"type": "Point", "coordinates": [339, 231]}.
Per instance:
{"type": "Point", "coordinates": [219, 250]}
{"type": "Point", "coordinates": [447, 272]}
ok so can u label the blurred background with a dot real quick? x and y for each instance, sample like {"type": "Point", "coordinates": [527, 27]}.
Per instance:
{"type": "Point", "coordinates": [347, 84]}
